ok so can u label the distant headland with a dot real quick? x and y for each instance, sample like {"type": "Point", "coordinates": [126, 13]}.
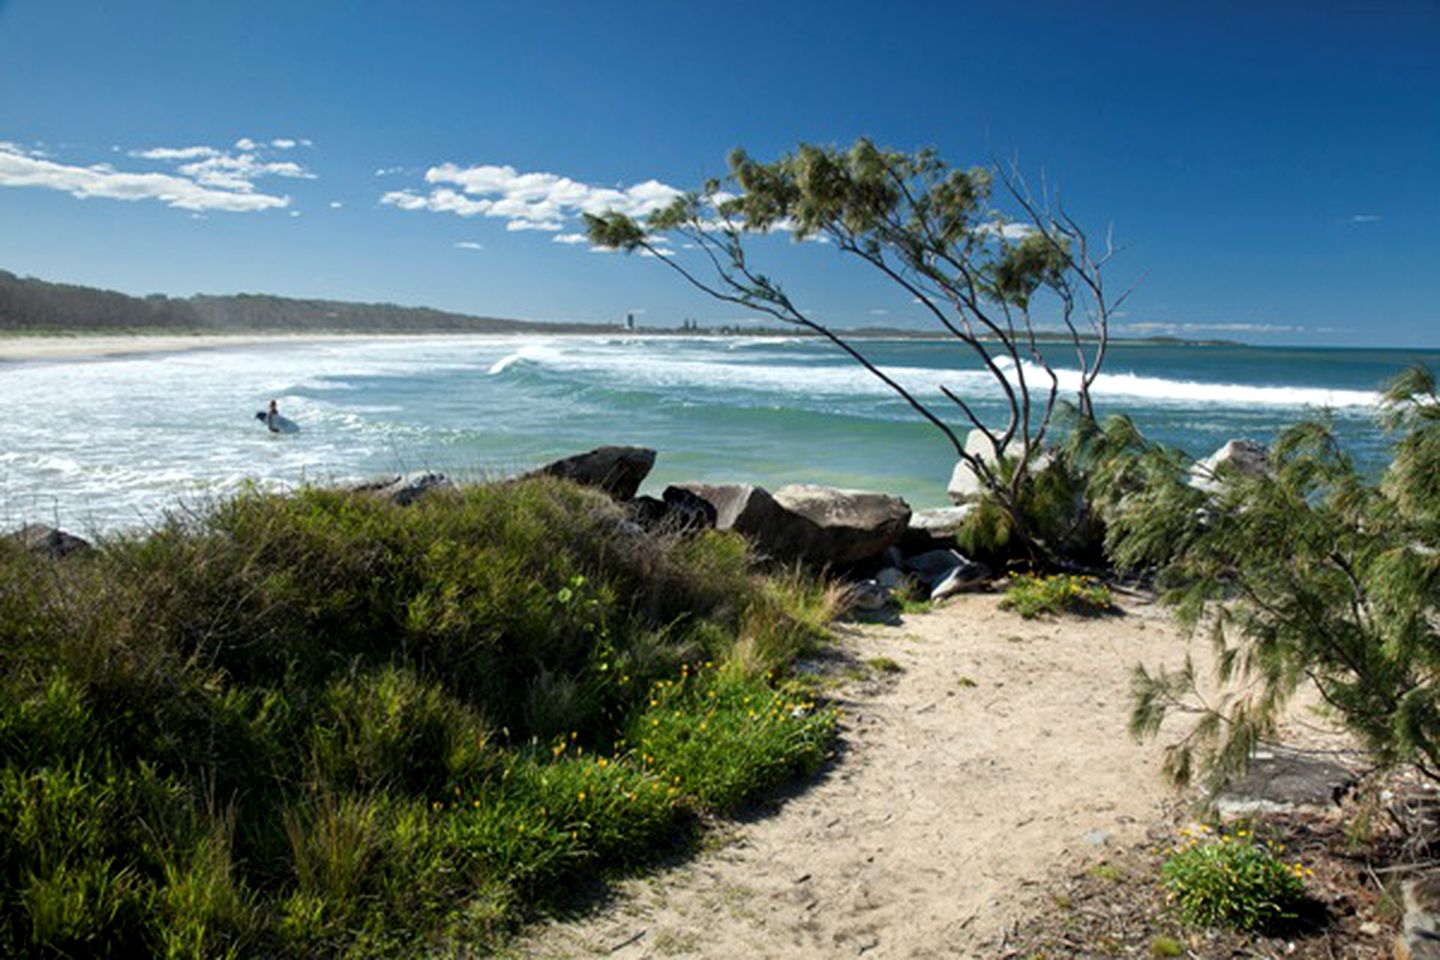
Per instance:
{"type": "Point", "coordinates": [34, 307]}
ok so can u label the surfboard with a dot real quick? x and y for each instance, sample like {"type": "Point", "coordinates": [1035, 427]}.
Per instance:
{"type": "Point", "coordinates": [281, 425]}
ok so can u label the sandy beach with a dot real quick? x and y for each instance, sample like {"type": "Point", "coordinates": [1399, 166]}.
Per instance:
{"type": "Point", "coordinates": [996, 755]}
{"type": "Point", "coordinates": [81, 347]}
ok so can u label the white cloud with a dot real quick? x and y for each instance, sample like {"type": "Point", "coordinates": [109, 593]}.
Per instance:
{"type": "Point", "coordinates": [25, 168]}
{"type": "Point", "coordinates": [1010, 231]}
{"type": "Point", "coordinates": [570, 238]}
{"type": "Point", "coordinates": [525, 201]}
{"type": "Point", "coordinates": [237, 171]}
{"type": "Point", "coordinates": [173, 153]}
{"type": "Point", "coordinates": [294, 213]}
{"type": "Point", "coordinates": [879, 312]}
{"type": "Point", "coordinates": [284, 143]}
{"type": "Point", "coordinates": [1366, 218]}
{"type": "Point", "coordinates": [468, 245]}
{"type": "Point", "coordinates": [245, 143]}
{"type": "Point", "coordinates": [336, 204]}
{"type": "Point", "coordinates": [388, 171]}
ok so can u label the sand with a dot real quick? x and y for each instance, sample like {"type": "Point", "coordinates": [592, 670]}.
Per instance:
{"type": "Point", "coordinates": [997, 758]}
{"type": "Point", "coordinates": [79, 347]}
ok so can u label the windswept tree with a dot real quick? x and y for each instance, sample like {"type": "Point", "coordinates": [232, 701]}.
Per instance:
{"type": "Point", "coordinates": [1310, 574]}
{"type": "Point", "coordinates": [933, 231]}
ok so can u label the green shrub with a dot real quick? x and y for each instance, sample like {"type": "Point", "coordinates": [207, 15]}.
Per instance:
{"type": "Point", "coordinates": [720, 737]}
{"type": "Point", "coordinates": [1232, 881]}
{"type": "Point", "coordinates": [315, 725]}
{"type": "Point", "coordinates": [1309, 573]}
{"type": "Point", "coordinates": [1033, 596]}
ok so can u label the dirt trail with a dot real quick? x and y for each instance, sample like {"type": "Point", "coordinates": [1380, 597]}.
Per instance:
{"type": "Point", "coordinates": [999, 752]}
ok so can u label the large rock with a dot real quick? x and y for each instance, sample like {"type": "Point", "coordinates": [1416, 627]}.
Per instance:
{"type": "Point", "coordinates": [1245, 457]}
{"type": "Point", "coordinates": [844, 526]}
{"type": "Point", "coordinates": [741, 507]}
{"type": "Point", "coordinates": [618, 471]}
{"type": "Point", "coordinates": [43, 539]}
{"type": "Point", "coordinates": [970, 575]}
{"type": "Point", "coordinates": [823, 526]}
{"type": "Point", "coordinates": [678, 511]}
{"type": "Point", "coordinates": [1281, 781]}
{"type": "Point", "coordinates": [405, 489]}
{"type": "Point", "coordinates": [934, 529]}
{"type": "Point", "coordinates": [1420, 934]}
{"type": "Point", "coordinates": [947, 572]}
{"type": "Point", "coordinates": [965, 484]}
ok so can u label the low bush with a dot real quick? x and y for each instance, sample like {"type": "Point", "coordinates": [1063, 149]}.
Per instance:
{"type": "Point", "coordinates": [1032, 595]}
{"type": "Point", "coordinates": [1232, 880]}
{"type": "Point", "coordinates": [324, 725]}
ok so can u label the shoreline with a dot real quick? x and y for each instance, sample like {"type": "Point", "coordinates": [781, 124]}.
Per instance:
{"type": "Point", "coordinates": [101, 346]}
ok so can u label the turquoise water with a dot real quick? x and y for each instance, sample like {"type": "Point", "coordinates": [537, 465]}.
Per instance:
{"type": "Point", "coordinates": [110, 443]}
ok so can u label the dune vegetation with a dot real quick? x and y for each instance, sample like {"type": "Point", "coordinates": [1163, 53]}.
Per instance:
{"type": "Point", "coordinates": [324, 725]}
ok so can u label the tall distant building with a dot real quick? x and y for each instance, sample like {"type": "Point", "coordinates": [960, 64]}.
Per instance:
{"type": "Point", "coordinates": [629, 321]}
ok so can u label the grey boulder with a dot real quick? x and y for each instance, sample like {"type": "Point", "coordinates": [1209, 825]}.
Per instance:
{"type": "Point", "coordinates": [677, 511]}
{"type": "Point", "coordinates": [40, 538]}
{"type": "Point", "coordinates": [618, 471]}
{"type": "Point", "coordinates": [962, 579]}
{"type": "Point", "coordinates": [868, 596]}
{"type": "Point", "coordinates": [934, 529]}
{"type": "Point", "coordinates": [966, 486]}
{"type": "Point", "coordinates": [842, 526]}
{"type": "Point", "coordinates": [947, 572]}
{"type": "Point", "coordinates": [405, 489]}
{"type": "Point", "coordinates": [1244, 457]}
{"type": "Point", "coordinates": [822, 526]}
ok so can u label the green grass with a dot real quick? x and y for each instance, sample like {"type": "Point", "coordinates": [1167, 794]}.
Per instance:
{"type": "Point", "coordinates": [1034, 596]}
{"type": "Point", "coordinates": [884, 665]}
{"type": "Point", "coordinates": [321, 725]}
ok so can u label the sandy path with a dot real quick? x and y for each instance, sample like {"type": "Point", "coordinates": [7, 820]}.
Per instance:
{"type": "Point", "coordinates": [999, 751]}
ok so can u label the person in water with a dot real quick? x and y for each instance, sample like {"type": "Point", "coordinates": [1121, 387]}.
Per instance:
{"type": "Point", "coordinates": [271, 416]}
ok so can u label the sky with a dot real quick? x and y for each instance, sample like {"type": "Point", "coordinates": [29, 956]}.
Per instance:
{"type": "Point", "coordinates": [1270, 170]}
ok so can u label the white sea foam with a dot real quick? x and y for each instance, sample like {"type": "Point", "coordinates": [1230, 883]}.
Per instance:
{"type": "Point", "coordinates": [777, 373]}
{"type": "Point", "coordinates": [1192, 393]}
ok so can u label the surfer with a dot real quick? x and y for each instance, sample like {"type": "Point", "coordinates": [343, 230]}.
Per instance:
{"type": "Point", "coordinates": [271, 416]}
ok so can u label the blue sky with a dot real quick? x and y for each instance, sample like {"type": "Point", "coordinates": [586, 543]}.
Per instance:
{"type": "Point", "coordinates": [1273, 168]}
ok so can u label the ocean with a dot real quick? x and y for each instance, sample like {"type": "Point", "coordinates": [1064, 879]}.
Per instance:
{"type": "Point", "coordinates": [106, 444]}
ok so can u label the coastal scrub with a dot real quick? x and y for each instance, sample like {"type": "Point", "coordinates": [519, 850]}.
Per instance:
{"type": "Point", "coordinates": [325, 725]}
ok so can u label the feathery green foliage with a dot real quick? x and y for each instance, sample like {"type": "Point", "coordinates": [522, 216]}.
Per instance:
{"type": "Point", "coordinates": [1309, 573]}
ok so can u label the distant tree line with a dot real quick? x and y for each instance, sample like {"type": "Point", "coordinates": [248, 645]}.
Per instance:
{"type": "Point", "coordinates": [28, 305]}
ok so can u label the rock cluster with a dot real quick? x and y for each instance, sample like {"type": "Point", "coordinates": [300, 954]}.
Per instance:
{"type": "Point", "coordinates": [42, 539]}
{"type": "Point", "coordinates": [852, 531]}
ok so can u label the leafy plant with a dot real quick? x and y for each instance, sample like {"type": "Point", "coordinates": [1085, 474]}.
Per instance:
{"type": "Point", "coordinates": [1233, 881]}
{"type": "Point", "coordinates": [719, 737]}
{"type": "Point", "coordinates": [1032, 595]}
